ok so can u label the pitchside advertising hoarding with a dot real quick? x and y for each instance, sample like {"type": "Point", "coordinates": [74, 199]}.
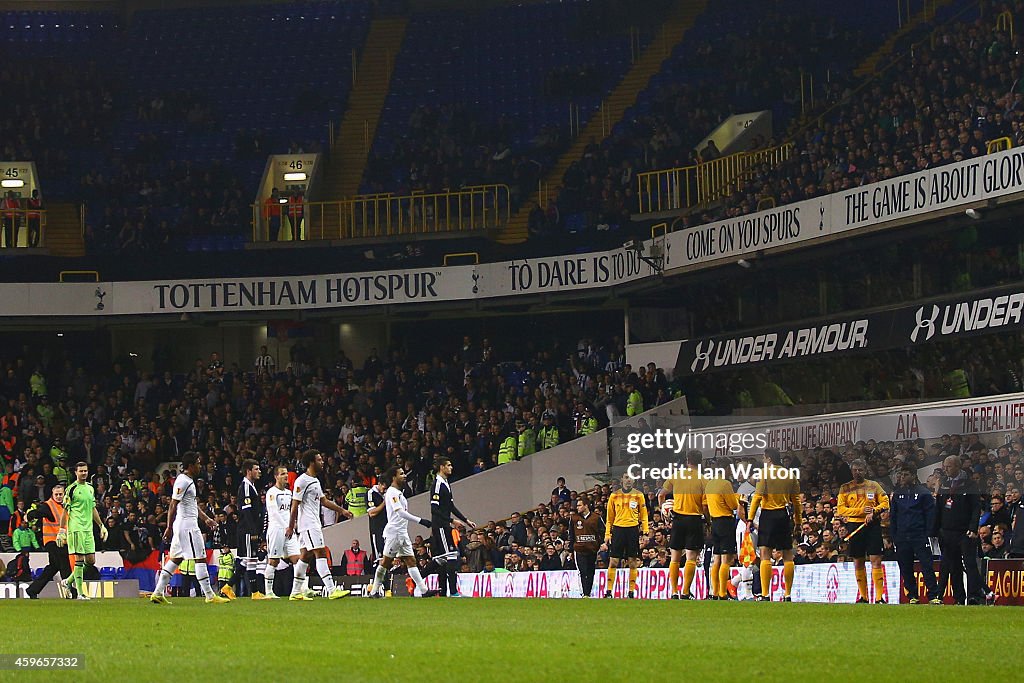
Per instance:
{"type": "Point", "coordinates": [832, 582]}
{"type": "Point", "coordinates": [821, 583]}
{"type": "Point", "coordinates": [987, 311]}
{"type": "Point", "coordinates": [126, 588]}
{"type": "Point", "coordinates": [919, 194]}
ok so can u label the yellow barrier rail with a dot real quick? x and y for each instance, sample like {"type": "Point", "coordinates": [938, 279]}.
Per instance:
{"type": "Point", "coordinates": [998, 145]}
{"type": "Point", "coordinates": [463, 255]}
{"type": "Point", "coordinates": [689, 186]}
{"type": "Point", "coordinates": [79, 276]}
{"type": "Point", "coordinates": [20, 228]}
{"type": "Point", "coordinates": [1004, 22]}
{"type": "Point", "coordinates": [470, 209]}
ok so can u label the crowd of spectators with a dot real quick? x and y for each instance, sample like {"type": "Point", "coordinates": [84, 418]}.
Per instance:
{"type": "Point", "coordinates": [939, 104]}
{"type": "Point", "coordinates": [150, 203]}
{"type": "Point", "coordinates": [57, 108]}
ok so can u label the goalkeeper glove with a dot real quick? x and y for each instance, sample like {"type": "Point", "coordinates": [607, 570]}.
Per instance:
{"type": "Point", "coordinates": [62, 538]}
{"type": "Point", "coordinates": [425, 522]}
{"type": "Point", "coordinates": [103, 533]}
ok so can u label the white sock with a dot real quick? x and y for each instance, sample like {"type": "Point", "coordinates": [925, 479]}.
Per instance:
{"type": "Point", "coordinates": [324, 570]}
{"type": "Point", "coordinates": [268, 577]}
{"type": "Point", "coordinates": [378, 578]}
{"type": "Point", "coordinates": [300, 577]}
{"type": "Point", "coordinates": [414, 574]}
{"type": "Point", "coordinates": [203, 576]}
{"type": "Point", "coordinates": [164, 577]}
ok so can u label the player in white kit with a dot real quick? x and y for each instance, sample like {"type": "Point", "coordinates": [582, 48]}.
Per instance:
{"type": "Point", "coordinates": [307, 498]}
{"type": "Point", "coordinates": [279, 504]}
{"type": "Point", "coordinates": [186, 539]}
{"type": "Point", "coordinates": [396, 536]}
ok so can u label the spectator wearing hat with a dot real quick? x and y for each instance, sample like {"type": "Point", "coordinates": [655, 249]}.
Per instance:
{"type": "Point", "coordinates": [587, 423]}
{"type": "Point", "coordinates": [38, 489]}
{"type": "Point", "coordinates": [527, 439]}
{"type": "Point", "coordinates": [548, 436]}
{"type": "Point", "coordinates": [61, 471]}
{"type": "Point", "coordinates": [45, 411]}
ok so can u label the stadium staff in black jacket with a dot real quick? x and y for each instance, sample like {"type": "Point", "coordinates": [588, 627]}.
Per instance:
{"type": "Point", "coordinates": [957, 511]}
{"type": "Point", "coordinates": [911, 517]}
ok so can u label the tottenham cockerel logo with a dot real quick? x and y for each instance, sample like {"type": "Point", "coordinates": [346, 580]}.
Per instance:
{"type": "Point", "coordinates": [925, 323]}
{"type": "Point", "coordinates": [702, 357]}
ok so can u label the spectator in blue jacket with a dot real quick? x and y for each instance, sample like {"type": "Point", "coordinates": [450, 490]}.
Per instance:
{"type": "Point", "coordinates": [911, 517]}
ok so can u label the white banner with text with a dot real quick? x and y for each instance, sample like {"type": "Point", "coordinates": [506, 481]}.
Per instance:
{"type": "Point", "coordinates": [916, 194]}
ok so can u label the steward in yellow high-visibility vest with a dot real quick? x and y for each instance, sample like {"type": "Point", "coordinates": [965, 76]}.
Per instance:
{"type": "Point", "coordinates": [548, 436]}
{"type": "Point", "coordinates": [527, 439]}
{"type": "Point", "coordinates": [635, 402]}
{"type": "Point", "coordinates": [355, 500]}
{"type": "Point", "coordinates": [588, 423]}
{"type": "Point", "coordinates": [507, 449]}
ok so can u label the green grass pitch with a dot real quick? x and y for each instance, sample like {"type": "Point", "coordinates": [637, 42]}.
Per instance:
{"type": "Point", "coordinates": [456, 640]}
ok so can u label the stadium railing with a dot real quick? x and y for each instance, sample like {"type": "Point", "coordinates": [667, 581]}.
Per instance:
{"type": "Point", "coordinates": [998, 145]}
{"type": "Point", "coordinates": [698, 185]}
{"type": "Point", "coordinates": [470, 209]}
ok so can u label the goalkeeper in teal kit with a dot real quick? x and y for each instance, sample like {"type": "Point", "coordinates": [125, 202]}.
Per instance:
{"type": "Point", "coordinates": [80, 503]}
